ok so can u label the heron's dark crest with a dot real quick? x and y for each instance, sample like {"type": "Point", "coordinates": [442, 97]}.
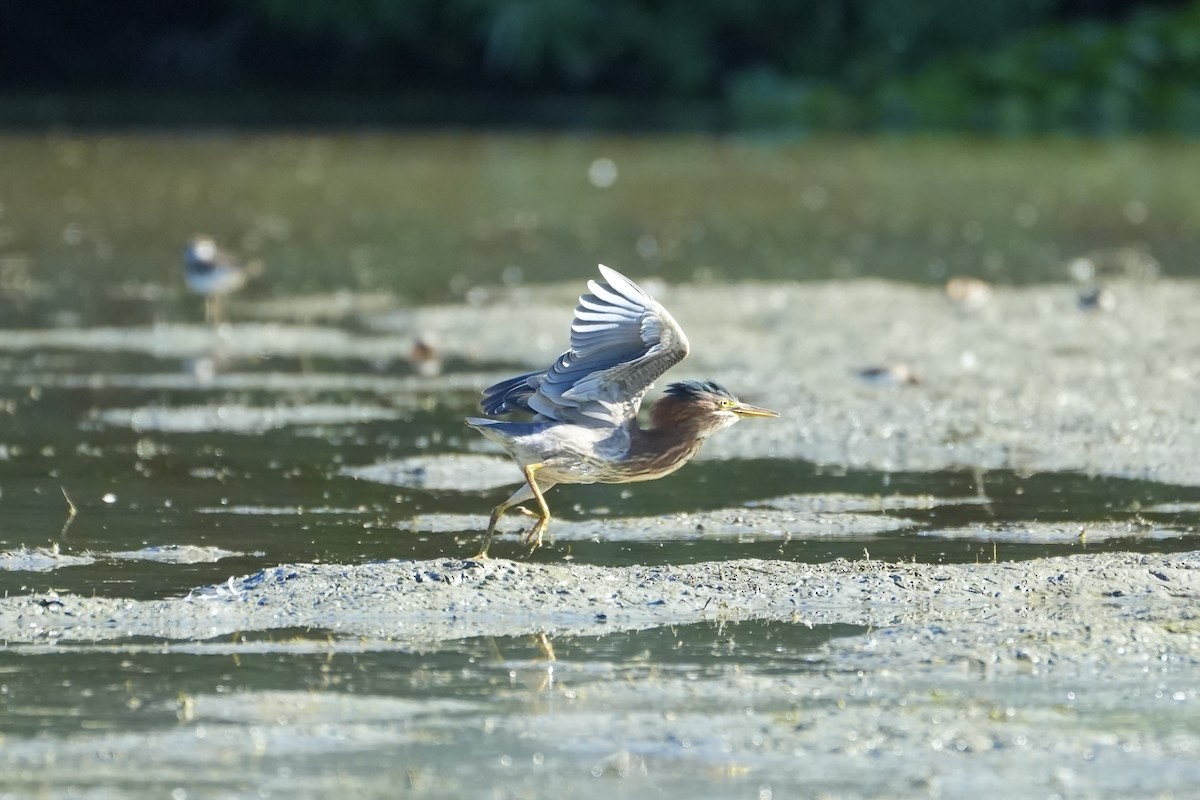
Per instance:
{"type": "Point", "coordinates": [698, 390]}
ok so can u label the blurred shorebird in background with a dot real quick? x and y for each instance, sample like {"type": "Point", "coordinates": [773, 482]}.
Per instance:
{"type": "Point", "coordinates": [968, 294]}
{"type": "Point", "coordinates": [211, 273]}
{"type": "Point", "coordinates": [584, 427]}
{"type": "Point", "coordinates": [424, 357]}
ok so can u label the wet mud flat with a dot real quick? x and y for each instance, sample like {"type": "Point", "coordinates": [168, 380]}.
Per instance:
{"type": "Point", "coordinates": [1072, 676]}
{"type": "Point", "coordinates": [1028, 381]}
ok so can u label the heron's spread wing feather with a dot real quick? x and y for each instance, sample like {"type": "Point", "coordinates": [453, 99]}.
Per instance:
{"type": "Point", "coordinates": [621, 341]}
{"type": "Point", "coordinates": [510, 395]}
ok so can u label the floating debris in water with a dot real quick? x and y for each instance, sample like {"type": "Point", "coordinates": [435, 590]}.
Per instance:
{"type": "Point", "coordinates": [621, 764]}
{"type": "Point", "coordinates": [178, 554]}
{"type": "Point", "coordinates": [1096, 298]}
{"type": "Point", "coordinates": [40, 559]}
{"type": "Point", "coordinates": [898, 374]}
{"type": "Point", "coordinates": [969, 294]}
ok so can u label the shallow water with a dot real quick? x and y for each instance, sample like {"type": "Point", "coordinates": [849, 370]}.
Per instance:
{"type": "Point", "coordinates": [91, 226]}
{"type": "Point", "coordinates": [249, 441]}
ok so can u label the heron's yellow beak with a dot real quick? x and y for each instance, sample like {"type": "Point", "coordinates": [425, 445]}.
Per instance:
{"type": "Point", "coordinates": [746, 410]}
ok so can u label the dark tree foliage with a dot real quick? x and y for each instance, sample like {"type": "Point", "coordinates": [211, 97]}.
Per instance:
{"type": "Point", "coordinates": [656, 47]}
{"type": "Point", "coordinates": [830, 63]}
{"type": "Point", "coordinates": [651, 46]}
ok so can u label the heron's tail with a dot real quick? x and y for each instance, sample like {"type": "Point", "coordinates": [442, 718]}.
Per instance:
{"type": "Point", "coordinates": [493, 429]}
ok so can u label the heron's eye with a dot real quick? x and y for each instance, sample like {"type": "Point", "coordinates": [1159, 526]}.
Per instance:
{"type": "Point", "coordinates": [727, 403]}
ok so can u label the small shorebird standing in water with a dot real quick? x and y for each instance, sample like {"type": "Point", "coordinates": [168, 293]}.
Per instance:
{"type": "Point", "coordinates": [212, 273]}
{"type": "Point", "coordinates": [585, 406]}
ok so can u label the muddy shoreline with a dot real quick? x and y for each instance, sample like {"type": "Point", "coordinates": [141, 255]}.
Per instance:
{"type": "Point", "coordinates": [424, 602]}
{"type": "Point", "coordinates": [995, 677]}
{"type": "Point", "coordinates": [1028, 382]}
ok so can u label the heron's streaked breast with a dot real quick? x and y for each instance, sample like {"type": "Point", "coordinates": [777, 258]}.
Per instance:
{"type": "Point", "coordinates": [648, 464]}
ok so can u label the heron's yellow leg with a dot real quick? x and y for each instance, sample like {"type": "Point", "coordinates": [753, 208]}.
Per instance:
{"type": "Point", "coordinates": [534, 536]}
{"type": "Point", "coordinates": [499, 510]}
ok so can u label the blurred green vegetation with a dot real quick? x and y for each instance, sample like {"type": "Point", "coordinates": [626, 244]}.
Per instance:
{"type": "Point", "coordinates": [1010, 66]}
{"type": "Point", "coordinates": [671, 47]}
{"type": "Point", "coordinates": [1139, 76]}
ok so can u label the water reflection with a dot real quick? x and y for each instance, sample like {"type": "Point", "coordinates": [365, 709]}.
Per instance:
{"type": "Point", "coordinates": [140, 684]}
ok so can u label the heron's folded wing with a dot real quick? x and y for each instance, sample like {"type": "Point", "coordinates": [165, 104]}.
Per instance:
{"type": "Point", "coordinates": [621, 341]}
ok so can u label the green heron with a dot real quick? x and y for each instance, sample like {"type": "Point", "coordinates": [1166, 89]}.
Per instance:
{"type": "Point", "coordinates": [212, 273]}
{"type": "Point", "coordinates": [585, 406]}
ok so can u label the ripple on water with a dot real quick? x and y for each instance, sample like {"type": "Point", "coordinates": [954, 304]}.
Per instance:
{"type": "Point", "coordinates": [1055, 532]}
{"type": "Point", "coordinates": [186, 341]}
{"type": "Point", "coordinates": [280, 511]}
{"type": "Point", "coordinates": [468, 473]}
{"type": "Point", "coordinates": [854, 502]}
{"type": "Point", "coordinates": [233, 418]}
{"type": "Point", "coordinates": [395, 387]}
{"type": "Point", "coordinates": [739, 523]}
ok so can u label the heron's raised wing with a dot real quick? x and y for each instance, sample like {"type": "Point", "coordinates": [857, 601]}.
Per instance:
{"type": "Point", "coordinates": [621, 341]}
{"type": "Point", "coordinates": [512, 394]}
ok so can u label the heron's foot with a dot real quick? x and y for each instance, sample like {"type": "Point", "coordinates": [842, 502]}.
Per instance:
{"type": "Point", "coordinates": [533, 539]}
{"type": "Point", "coordinates": [482, 555]}
{"type": "Point", "coordinates": [528, 513]}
